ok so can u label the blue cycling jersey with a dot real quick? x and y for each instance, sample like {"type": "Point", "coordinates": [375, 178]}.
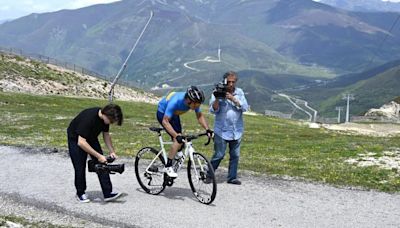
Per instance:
{"type": "Point", "coordinates": [174, 104]}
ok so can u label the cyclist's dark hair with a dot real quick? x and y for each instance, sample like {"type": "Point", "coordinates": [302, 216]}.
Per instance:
{"type": "Point", "coordinates": [195, 94]}
{"type": "Point", "coordinates": [114, 113]}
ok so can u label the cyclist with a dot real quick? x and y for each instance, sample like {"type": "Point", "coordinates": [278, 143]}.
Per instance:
{"type": "Point", "coordinates": [170, 108]}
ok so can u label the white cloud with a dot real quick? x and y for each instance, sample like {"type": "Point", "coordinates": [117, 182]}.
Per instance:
{"type": "Point", "coordinates": [4, 8]}
{"type": "Point", "coordinates": [10, 9]}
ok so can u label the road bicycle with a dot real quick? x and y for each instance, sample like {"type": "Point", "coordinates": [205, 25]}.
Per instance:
{"type": "Point", "coordinates": [151, 175]}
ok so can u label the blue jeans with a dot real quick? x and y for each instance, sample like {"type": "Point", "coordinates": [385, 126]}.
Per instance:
{"type": "Point", "coordinates": [219, 153]}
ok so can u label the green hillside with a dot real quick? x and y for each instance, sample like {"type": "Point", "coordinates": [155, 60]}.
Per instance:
{"type": "Point", "coordinates": [270, 146]}
{"type": "Point", "coordinates": [371, 89]}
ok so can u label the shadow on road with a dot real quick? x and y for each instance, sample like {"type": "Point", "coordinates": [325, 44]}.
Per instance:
{"type": "Point", "coordinates": [97, 197]}
{"type": "Point", "coordinates": [174, 193]}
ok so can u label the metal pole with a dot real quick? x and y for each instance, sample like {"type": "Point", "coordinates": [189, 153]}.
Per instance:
{"type": "Point", "coordinates": [339, 109]}
{"type": "Point", "coordinates": [348, 97]}
{"type": "Point", "coordinates": [347, 108]}
{"type": "Point", "coordinates": [111, 93]}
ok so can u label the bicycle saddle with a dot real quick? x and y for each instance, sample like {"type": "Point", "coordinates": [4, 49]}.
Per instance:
{"type": "Point", "coordinates": [156, 129]}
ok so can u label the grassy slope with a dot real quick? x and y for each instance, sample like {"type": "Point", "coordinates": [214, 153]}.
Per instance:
{"type": "Point", "coordinates": [16, 65]}
{"type": "Point", "coordinates": [270, 146]}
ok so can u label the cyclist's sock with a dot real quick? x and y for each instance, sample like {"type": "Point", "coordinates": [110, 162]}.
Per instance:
{"type": "Point", "coordinates": [169, 162]}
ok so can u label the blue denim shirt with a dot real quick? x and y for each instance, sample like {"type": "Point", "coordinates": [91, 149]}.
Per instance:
{"type": "Point", "coordinates": [229, 117]}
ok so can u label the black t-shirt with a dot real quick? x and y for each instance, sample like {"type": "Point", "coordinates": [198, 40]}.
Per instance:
{"type": "Point", "coordinates": [88, 125]}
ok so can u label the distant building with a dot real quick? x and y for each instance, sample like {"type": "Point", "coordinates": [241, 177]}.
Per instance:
{"type": "Point", "coordinates": [277, 114]}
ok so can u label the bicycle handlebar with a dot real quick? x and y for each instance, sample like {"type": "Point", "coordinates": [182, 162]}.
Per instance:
{"type": "Point", "coordinates": [187, 137]}
{"type": "Point", "coordinates": [191, 137]}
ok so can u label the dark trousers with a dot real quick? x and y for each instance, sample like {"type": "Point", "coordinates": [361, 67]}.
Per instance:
{"type": "Point", "coordinates": [79, 157]}
{"type": "Point", "coordinates": [175, 122]}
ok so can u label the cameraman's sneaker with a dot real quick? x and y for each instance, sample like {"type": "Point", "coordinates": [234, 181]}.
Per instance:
{"type": "Point", "coordinates": [112, 196]}
{"type": "Point", "coordinates": [170, 172]}
{"type": "Point", "coordinates": [83, 198]}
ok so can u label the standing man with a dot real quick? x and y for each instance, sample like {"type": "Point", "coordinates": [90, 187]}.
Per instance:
{"type": "Point", "coordinates": [228, 126]}
{"type": "Point", "coordinates": [82, 140]}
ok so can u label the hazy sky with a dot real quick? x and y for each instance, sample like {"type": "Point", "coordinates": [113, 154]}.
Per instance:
{"type": "Point", "coordinates": [11, 9]}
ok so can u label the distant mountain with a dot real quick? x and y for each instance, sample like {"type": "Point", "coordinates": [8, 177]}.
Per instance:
{"type": "Point", "coordinates": [267, 40]}
{"type": "Point", "coordinates": [269, 36]}
{"type": "Point", "coordinates": [371, 89]}
{"type": "Point", "coordinates": [363, 5]}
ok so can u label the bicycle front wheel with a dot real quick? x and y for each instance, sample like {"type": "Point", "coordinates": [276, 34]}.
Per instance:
{"type": "Point", "coordinates": [149, 169]}
{"type": "Point", "coordinates": [202, 179]}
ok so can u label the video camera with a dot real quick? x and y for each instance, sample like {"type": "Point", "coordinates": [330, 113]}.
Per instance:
{"type": "Point", "coordinates": [95, 166]}
{"type": "Point", "coordinates": [220, 89]}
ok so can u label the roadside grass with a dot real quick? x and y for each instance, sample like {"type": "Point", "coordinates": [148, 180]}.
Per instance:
{"type": "Point", "coordinates": [22, 222]}
{"type": "Point", "coordinates": [270, 146]}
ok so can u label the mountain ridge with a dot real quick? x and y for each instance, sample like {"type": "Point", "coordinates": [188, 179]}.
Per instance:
{"type": "Point", "coordinates": [269, 38]}
{"type": "Point", "coordinates": [367, 6]}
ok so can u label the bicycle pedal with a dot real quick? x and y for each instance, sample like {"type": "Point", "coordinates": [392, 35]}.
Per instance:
{"type": "Point", "coordinates": [169, 182]}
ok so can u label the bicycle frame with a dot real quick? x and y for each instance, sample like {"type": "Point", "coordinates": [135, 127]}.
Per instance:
{"type": "Point", "coordinates": [189, 150]}
{"type": "Point", "coordinates": [151, 172]}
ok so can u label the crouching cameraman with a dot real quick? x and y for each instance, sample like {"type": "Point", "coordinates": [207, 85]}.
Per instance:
{"type": "Point", "coordinates": [82, 140]}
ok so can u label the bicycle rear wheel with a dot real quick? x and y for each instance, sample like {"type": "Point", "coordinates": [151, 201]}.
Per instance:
{"type": "Point", "coordinates": [202, 179]}
{"type": "Point", "coordinates": [149, 173]}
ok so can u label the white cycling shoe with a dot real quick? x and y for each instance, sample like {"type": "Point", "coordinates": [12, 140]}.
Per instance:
{"type": "Point", "coordinates": [170, 172]}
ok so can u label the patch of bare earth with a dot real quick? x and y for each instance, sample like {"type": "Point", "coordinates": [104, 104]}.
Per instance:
{"type": "Point", "coordinates": [373, 129]}
{"type": "Point", "coordinates": [82, 86]}
{"type": "Point", "coordinates": [389, 160]}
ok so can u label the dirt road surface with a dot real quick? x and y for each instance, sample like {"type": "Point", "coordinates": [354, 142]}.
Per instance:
{"type": "Point", "coordinates": [38, 184]}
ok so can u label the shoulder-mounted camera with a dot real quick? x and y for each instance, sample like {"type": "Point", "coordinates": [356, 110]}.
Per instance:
{"type": "Point", "coordinates": [220, 89]}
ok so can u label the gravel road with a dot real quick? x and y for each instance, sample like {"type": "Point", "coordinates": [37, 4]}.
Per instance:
{"type": "Point", "coordinates": [38, 184]}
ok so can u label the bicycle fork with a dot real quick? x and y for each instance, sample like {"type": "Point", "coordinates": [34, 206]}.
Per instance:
{"type": "Point", "coordinates": [192, 160]}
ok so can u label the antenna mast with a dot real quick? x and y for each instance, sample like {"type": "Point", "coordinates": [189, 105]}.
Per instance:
{"type": "Point", "coordinates": [111, 93]}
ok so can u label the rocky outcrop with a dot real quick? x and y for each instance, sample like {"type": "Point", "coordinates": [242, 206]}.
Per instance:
{"type": "Point", "coordinates": [390, 111]}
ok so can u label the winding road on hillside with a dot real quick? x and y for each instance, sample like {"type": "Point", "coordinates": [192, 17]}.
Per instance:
{"type": "Point", "coordinates": [206, 59]}
{"type": "Point", "coordinates": [41, 181]}
{"type": "Point", "coordinates": [305, 103]}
